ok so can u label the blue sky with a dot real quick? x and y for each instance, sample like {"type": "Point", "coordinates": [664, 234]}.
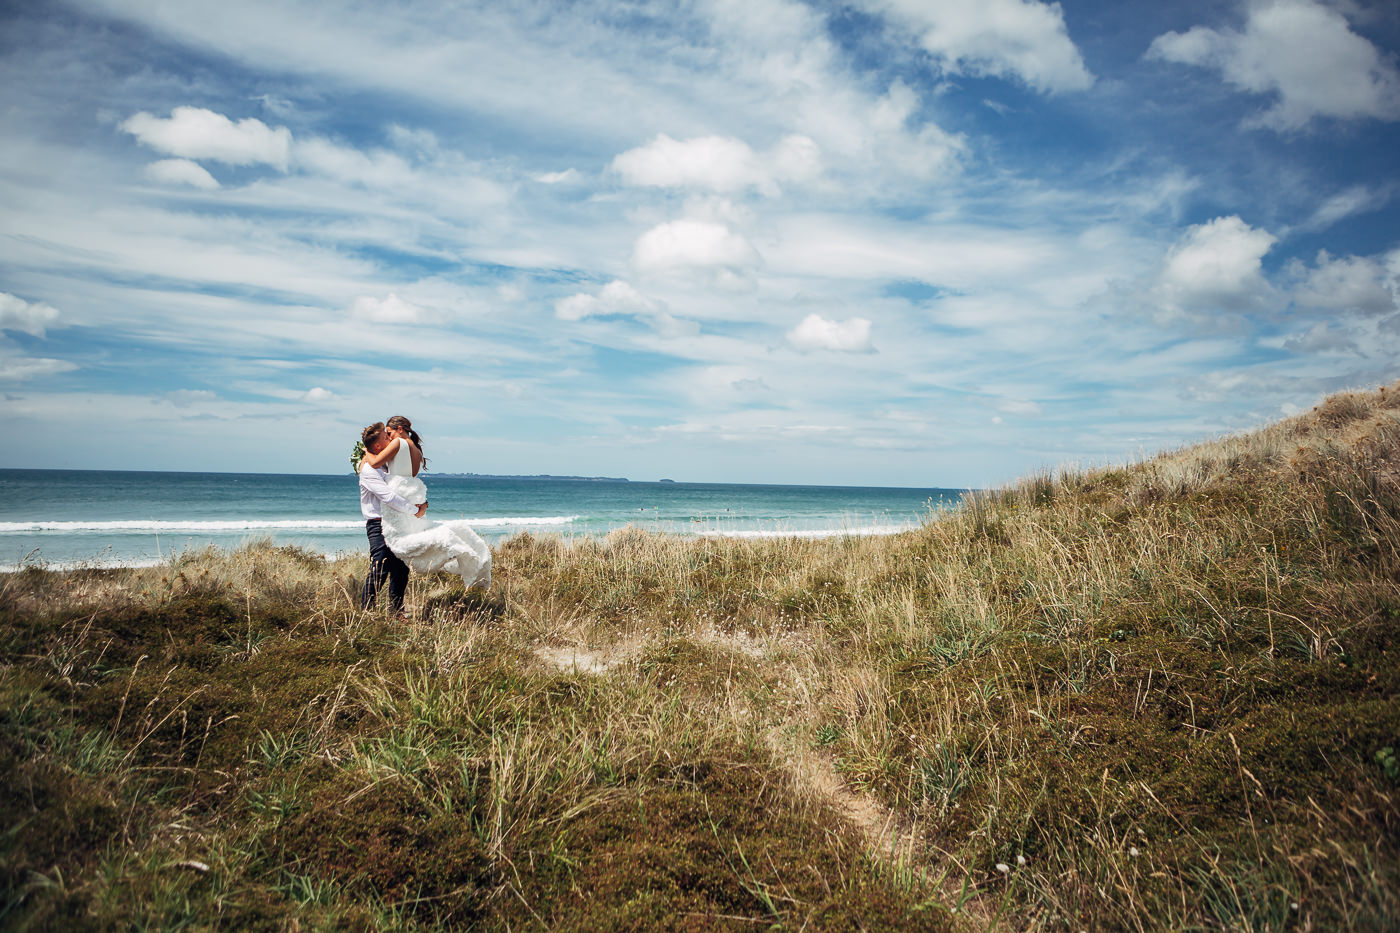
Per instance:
{"type": "Point", "coordinates": [902, 242]}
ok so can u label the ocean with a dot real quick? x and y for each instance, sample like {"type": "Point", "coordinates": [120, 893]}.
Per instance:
{"type": "Point", "coordinates": [64, 518]}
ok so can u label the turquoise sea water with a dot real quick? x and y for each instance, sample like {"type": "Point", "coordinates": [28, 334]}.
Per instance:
{"type": "Point", "coordinates": [66, 517]}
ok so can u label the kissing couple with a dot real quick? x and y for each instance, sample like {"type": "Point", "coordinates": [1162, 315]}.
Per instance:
{"type": "Point", "coordinates": [393, 501]}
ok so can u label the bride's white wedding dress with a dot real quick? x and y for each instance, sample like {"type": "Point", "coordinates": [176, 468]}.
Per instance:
{"type": "Point", "coordinates": [427, 545]}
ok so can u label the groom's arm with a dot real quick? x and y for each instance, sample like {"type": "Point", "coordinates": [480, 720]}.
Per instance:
{"type": "Point", "coordinates": [371, 480]}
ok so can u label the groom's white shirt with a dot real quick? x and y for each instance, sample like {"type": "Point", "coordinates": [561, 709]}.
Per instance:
{"type": "Point", "coordinates": [375, 494]}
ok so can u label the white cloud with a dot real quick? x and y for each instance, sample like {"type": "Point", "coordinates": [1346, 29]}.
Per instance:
{"type": "Point", "coordinates": [319, 396]}
{"type": "Point", "coordinates": [1358, 199]}
{"type": "Point", "coordinates": [388, 310]}
{"type": "Point", "coordinates": [782, 68]}
{"type": "Point", "coordinates": [817, 333]}
{"type": "Point", "coordinates": [181, 172]}
{"type": "Point", "coordinates": [718, 385]}
{"type": "Point", "coordinates": [1218, 263]}
{"type": "Point", "coordinates": [20, 368]}
{"type": "Point", "coordinates": [699, 245]}
{"type": "Point", "coordinates": [750, 385]}
{"type": "Point", "coordinates": [567, 176]}
{"type": "Point", "coordinates": [715, 162]}
{"type": "Point", "coordinates": [1020, 38]}
{"type": "Point", "coordinates": [887, 136]}
{"type": "Point", "coordinates": [620, 298]}
{"type": "Point", "coordinates": [617, 297]}
{"type": "Point", "coordinates": [718, 163]}
{"type": "Point", "coordinates": [1321, 338]}
{"type": "Point", "coordinates": [1350, 283]}
{"type": "Point", "coordinates": [196, 133]}
{"type": "Point", "coordinates": [377, 169]}
{"type": "Point", "coordinates": [954, 255]}
{"type": "Point", "coordinates": [796, 158]}
{"type": "Point", "coordinates": [1016, 406]}
{"type": "Point", "coordinates": [184, 398]}
{"type": "Point", "coordinates": [31, 317]}
{"type": "Point", "coordinates": [1303, 52]}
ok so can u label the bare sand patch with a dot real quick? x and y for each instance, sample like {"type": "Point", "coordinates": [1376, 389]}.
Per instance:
{"type": "Point", "coordinates": [585, 660]}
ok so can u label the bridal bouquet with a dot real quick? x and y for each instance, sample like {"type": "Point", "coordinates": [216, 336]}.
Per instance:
{"type": "Point", "coordinates": [356, 455]}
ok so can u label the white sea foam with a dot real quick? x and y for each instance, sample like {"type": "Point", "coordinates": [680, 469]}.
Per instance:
{"type": "Point", "coordinates": [523, 521]}
{"type": "Point", "coordinates": [226, 527]}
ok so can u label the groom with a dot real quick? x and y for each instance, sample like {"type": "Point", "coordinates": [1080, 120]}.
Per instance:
{"type": "Point", "coordinates": [375, 495]}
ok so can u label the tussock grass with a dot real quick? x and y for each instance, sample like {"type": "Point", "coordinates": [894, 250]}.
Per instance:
{"type": "Point", "coordinates": [1162, 696]}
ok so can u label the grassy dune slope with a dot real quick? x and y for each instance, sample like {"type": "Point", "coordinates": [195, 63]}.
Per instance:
{"type": "Point", "coordinates": [1158, 697]}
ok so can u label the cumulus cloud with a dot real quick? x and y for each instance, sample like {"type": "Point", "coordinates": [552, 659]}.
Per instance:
{"type": "Point", "coordinates": [817, 333]}
{"type": "Point", "coordinates": [715, 162]}
{"type": "Point", "coordinates": [388, 310]}
{"type": "Point", "coordinates": [1346, 283]}
{"type": "Point", "coordinates": [318, 396]}
{"type": "Point", "coordinates": [620, 298]}
{"type": "Point", "coordinates": [30, 317]}
{"type": "Point", "coordinates": [196, 133]}
{"type": "Point", "coordinates": [1002, 38]}
{"type": "Point", "coordinates": [1300, 51]}
{"type": "Point", "coordinates": [696, 246]}
{"type": "Point", "coordinates": [181, 172]}
{"type": "Point", "coordinates": [617, 297]}
{"type": "Point", "coordinates": [718, 163]}
{"type": "Point", "coordinates": [1217, 264]}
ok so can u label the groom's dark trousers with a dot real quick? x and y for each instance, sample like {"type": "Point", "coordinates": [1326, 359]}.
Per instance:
{"type": "Point", "coordinates": [382, 563]}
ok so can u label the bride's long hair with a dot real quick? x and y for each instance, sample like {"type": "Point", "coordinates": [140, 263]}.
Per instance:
{"type": "Point", "coordinates": [403, 424]}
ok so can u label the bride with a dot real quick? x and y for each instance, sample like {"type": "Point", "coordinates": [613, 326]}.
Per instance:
{"type": "Point", "coordinates": [426, 545]}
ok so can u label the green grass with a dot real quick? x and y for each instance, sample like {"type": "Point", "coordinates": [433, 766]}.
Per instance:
{"type": "Point", "coordinates": [1157, 697]}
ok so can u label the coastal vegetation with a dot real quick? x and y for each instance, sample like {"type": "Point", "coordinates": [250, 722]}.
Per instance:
{"type": "Point", "coordinates": [1160, 696]}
